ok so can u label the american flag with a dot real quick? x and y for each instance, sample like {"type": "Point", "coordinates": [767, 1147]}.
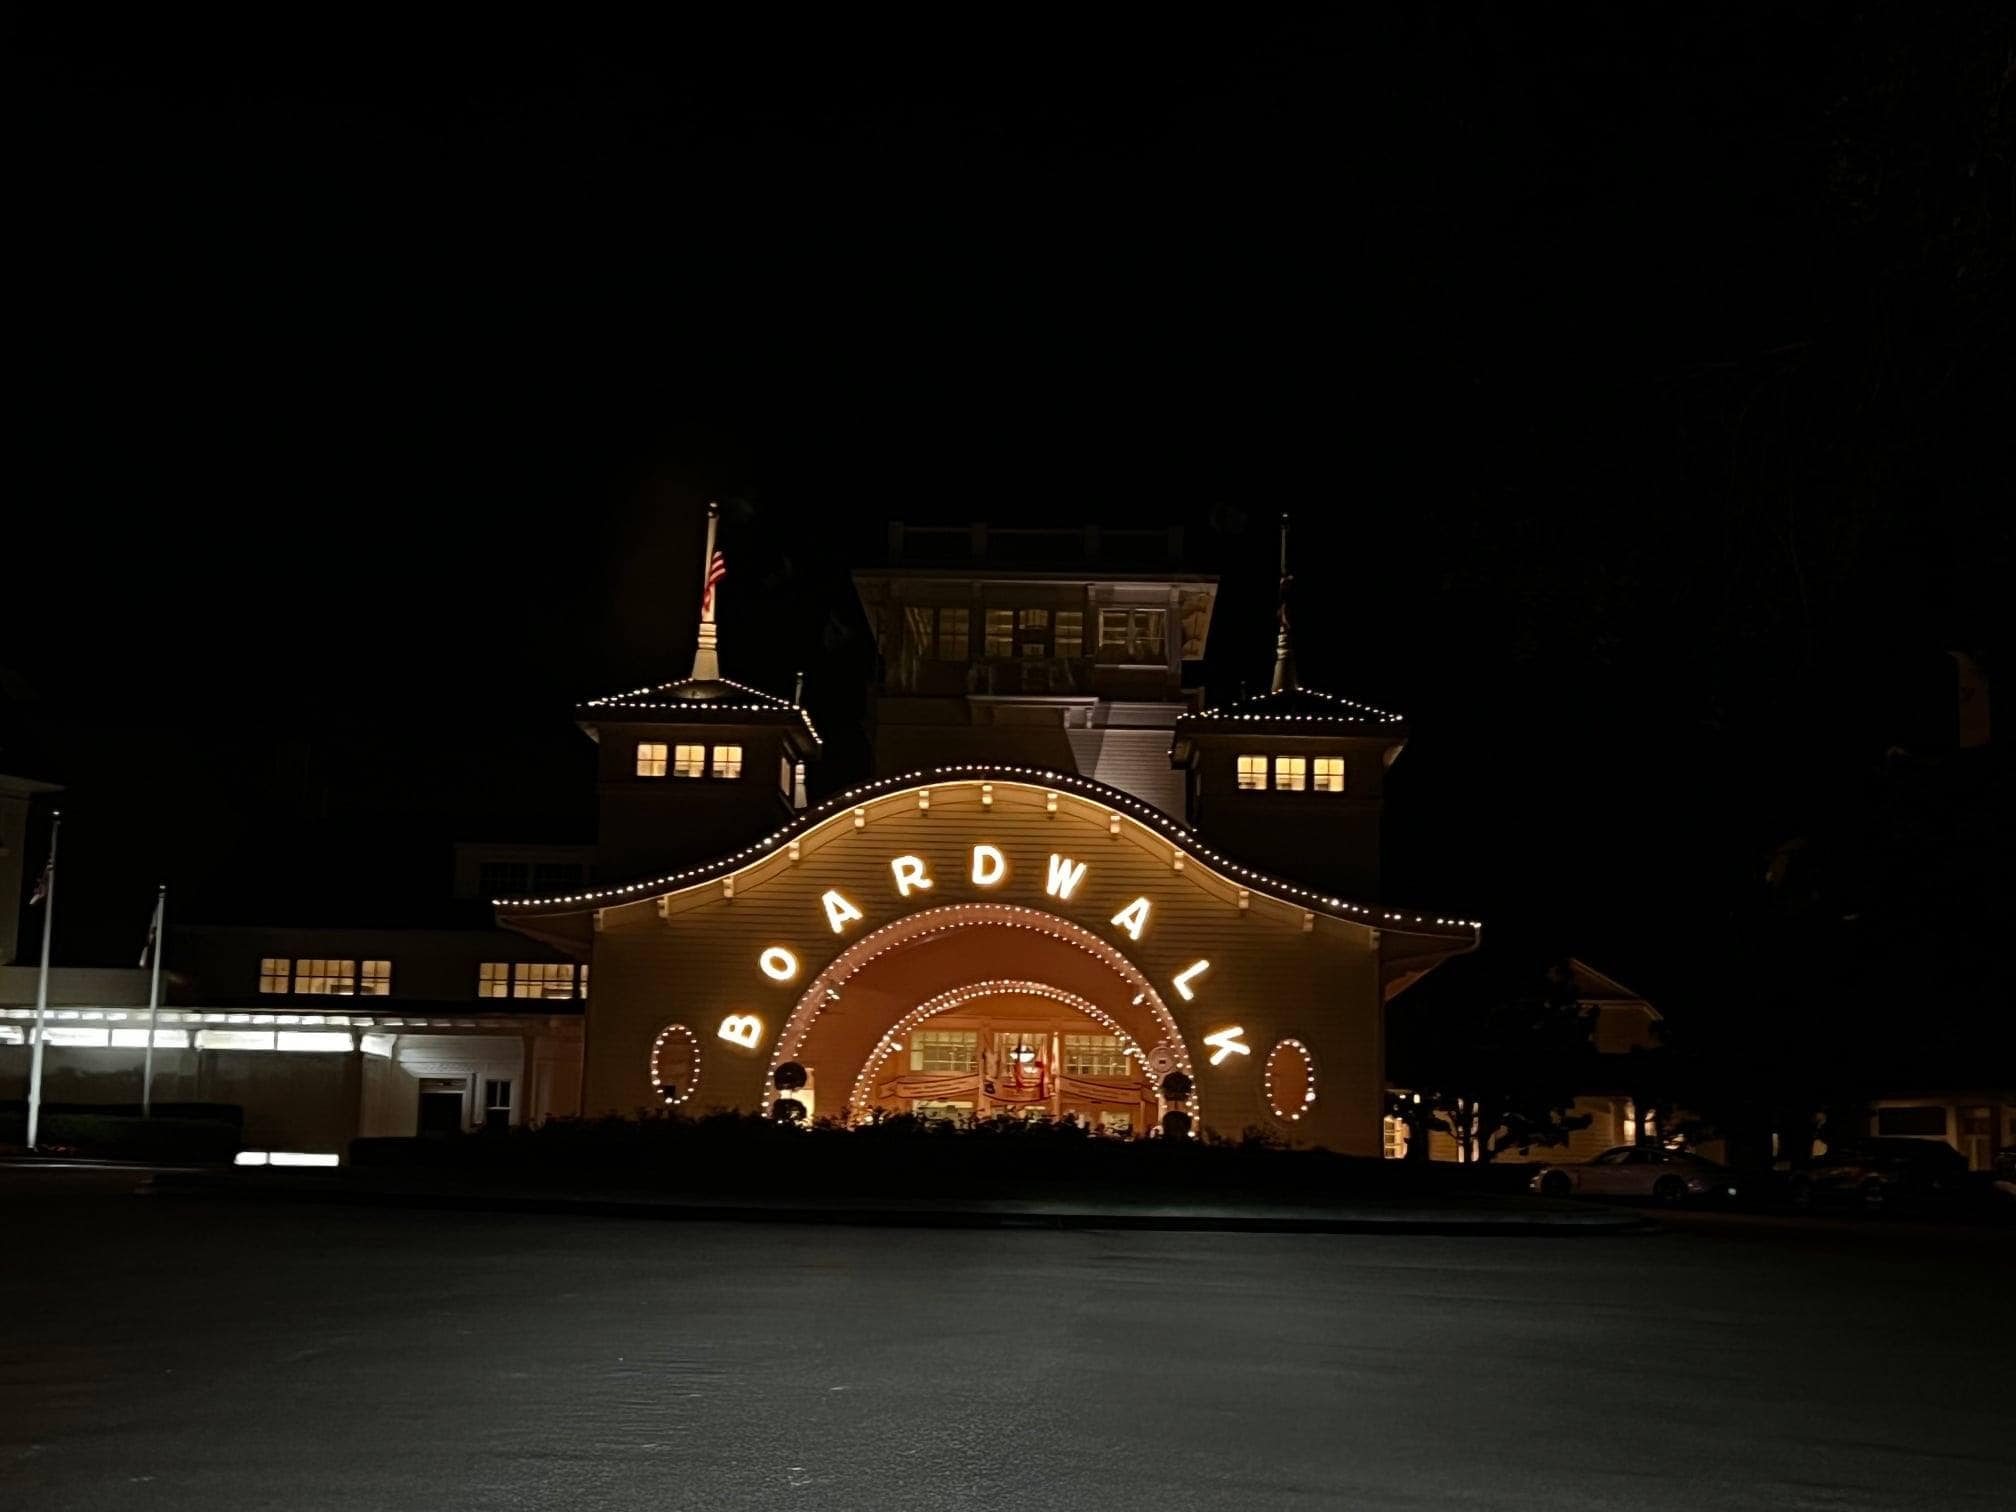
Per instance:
{"type": "Point", "coordinates": [717, 569]}
{"type": "Point", "coordinates": [153, 937]}
{"type": "Point", "coordinates": [42, 882]}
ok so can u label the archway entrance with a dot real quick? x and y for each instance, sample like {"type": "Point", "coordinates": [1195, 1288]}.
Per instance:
{"type": "Point", "coordinates": [1019, 1011]}
{"type": "Point", "coordinates": [1014, 1049]}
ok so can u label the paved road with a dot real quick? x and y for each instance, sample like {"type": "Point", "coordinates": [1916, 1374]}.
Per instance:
{"type": "Point", "coordinates": [160, 1355]}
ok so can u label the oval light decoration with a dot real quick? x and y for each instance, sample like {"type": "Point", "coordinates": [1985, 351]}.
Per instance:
{"type": "Point", "coordinates": [1291, 1079]}
{"type": "Point", "coordinates": [675, 1064]}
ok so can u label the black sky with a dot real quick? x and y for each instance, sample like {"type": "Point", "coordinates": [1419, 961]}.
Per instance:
{"type": "Point", "coordinates": [1637, 377]}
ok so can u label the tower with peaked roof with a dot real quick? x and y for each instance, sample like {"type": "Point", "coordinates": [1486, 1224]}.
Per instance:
{"type": "Point", "coordinates": [1292, 781]}
{"type": "Point", "coordinates": [698, 766]}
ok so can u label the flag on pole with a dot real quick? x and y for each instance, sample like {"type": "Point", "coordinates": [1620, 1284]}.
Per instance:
{"type": "Point", "coordinates": [42, 881]}
{"type": "Point", "coordinates": [717, 569]}
{"type": "Point", "coordinates": [153, 935]}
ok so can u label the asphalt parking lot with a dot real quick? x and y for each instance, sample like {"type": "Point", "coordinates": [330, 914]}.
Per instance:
{"type": "Point", "coordinates": [190, 1355]}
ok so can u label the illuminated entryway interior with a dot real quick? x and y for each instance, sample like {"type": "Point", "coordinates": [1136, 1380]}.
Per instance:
{"type": "Point", "coordinates": [1015, 1049]}
{"type": "Point", "coordinates": [978, 1010]}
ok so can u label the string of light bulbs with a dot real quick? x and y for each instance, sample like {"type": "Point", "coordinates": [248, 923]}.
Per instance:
{"type": "Point", "coordinates": [1110, 799]}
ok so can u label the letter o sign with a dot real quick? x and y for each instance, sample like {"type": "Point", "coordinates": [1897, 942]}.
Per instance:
{"type": "Point", "coordinates": [778, 964]}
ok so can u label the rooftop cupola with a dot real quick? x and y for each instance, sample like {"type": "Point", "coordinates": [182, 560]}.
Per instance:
{"type": "Point", "coordinates": [698, 766]}
{"type": "Point", "coordinates": [1292, 781]}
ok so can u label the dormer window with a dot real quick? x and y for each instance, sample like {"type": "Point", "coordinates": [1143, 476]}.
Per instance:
{"type": "Point", "coordinates": [1329, 774]}
{"type": "Point", "coordinates": [689, 760]}
{"type": "Point", "coordinates": [1291, 773]}
{"type": "Point", "coordinates": [1253, 772]}
{"type": "Point", "coordinates": [728, 761]}
{"type": "Point", "coordinates": [650, 758]}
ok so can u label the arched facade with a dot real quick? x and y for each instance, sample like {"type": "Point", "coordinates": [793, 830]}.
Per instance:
{"type": "Point", "coordinates": [812, 944]}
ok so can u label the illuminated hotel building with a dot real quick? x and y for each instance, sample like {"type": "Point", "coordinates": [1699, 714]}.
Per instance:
{"type": "Point", "coordinates": [1068, 877]}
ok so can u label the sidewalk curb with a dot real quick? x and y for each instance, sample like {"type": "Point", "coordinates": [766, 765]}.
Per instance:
{"type": "Point", "coordinates": [868, 1216]}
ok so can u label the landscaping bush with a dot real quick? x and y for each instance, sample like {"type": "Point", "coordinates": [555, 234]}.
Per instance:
{"type": "Point", "coordinates": [113, 1135]}
{"type": "Point", "coordinates": [901, 1158]}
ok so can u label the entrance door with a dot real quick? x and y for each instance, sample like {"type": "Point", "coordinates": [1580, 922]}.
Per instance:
{"type": "Point", "coordinates": [441, 1105]}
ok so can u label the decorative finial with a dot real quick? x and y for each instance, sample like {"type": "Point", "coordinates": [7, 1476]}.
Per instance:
{"type": "Point", "coordinates": [706, 658]}
{"type": "Point", "coordinates": [798, 691]}
{"type": "Point", "coordinates": [1284, 650]}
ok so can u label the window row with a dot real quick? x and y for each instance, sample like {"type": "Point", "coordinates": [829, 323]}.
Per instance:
{"type": "Point", "coordinates": [316, 977]}
{"type": "Point", "coordinates": [531, 979]}
{"type": "Point", "coordinates": [1292, 774]}
{"type": "Point", "coordinates": [1124, 635]}
{"type": "Point", "coordinates": [655, 759]}
{"type": "Point", "coordinates": [954, 1051]}
{"type": "Point", "coordinates": [319, 977]}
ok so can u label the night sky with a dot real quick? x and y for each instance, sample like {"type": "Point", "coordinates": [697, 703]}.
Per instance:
{"type": "Point", "coordinates": [1637, 378]}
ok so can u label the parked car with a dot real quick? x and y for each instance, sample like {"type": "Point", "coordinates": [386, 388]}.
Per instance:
{"type": "Point", "coordinates": [1644, 1172]}
{"type": "Point", "coordinates": [1874, 1174]}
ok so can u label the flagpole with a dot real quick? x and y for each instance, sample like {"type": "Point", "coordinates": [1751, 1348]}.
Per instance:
{"type": "Point", "coordinates": [153, 1002]}
{"type": "Point", "coordinates": [706, 659]}
{"type": "Point", "coordinates": [42, 985]}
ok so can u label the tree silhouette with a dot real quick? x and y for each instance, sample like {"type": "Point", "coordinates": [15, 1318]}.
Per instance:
{"type": "Point", "coordinates": [1498, 1046]}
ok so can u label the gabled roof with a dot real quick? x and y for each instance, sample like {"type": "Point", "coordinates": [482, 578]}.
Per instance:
{"type": "Point", "coordinates": [691, 697]}
{"type": "Point", "coordinates": [1594, 987]}
{"type": "Point", "coordinates": [685, 690]}
{"type": "Point", "coordinates": [1290, 711]}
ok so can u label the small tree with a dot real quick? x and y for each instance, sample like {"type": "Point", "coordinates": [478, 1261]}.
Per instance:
{"type": "Point", "coordinates": [789, 1077]}
{"type": "Point", "coordinates": [1176, 1087]}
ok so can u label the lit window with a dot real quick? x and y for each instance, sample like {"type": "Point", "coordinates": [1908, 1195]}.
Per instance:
{"type": "Point", "coordinates": [1070, 637]}
{"type": "Point", "coordinates": [496, 1104]}
{"type": "Point", "coordinates": [1394, 1142]}
{"type": "Point", "coordinates": [274, 972]}
{"type": "Point", "coordinates": [377, 980]}
{"type": "Point", "coordinates": [952, 633]}
{"type": "Point", "coordinates": [542, 979]}
{"type": "Point", "coordinates": [689, 761]}
{"type": "Point", "coordinates": [650, 758]}
{"type": "Point", "coordinates": [493, 979]}
{"type": "Point", "coordinates": [1095, 1055]}
{"type": "Point", "coordinates": [1012, 1047]}
{"type": "Point", "coordinates": [584, 983]}
{"type": "Point", "coordinates": [325, 978]}
{"type": "Point", "coordinates": [728, 761]}
{"type": "Point", "coordinates": [784, 775]}
{"type": "Point", "coordinates": [1133, 635]}
{"type": "Point", "coordinates": [1329, 774]}
{"type": "Point", "coordinates": [1291, 773]}
{"type": "Point", "coordinates": [1032, 632]}
{"type": "Point", "coordinates": [945, 1050]}
{"type": "Point", "coordinates": [1253, 771]}
{"type": "Point", "coordinates": [1000, 632]}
